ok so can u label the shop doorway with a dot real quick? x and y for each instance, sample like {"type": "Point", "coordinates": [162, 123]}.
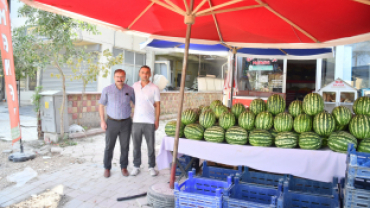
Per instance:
{"type": "Point", "coordinates": [301, 78]}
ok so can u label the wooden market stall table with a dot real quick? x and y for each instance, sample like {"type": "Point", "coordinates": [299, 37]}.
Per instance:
{"type": "Point", "coordinates": [320, 165]}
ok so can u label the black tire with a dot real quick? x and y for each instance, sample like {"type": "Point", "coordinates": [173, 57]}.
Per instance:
{"type": "Point", "coordinates": [161, 196]}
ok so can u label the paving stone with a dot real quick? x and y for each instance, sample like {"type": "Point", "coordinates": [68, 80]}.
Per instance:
{"type": "Point", "coordinates": [96, 199]}
{"type": "Point", "coordinates": [107, 203]}
{"type": "Point", "coordinates": [84, 197]}
{"type": "Point", "coordinates": [74, 203]}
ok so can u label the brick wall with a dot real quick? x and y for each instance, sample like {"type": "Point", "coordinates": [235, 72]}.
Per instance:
{"type": "Point", "coordinates": [85, 111]}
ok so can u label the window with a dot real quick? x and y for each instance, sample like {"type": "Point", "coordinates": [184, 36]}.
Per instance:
{"type": "Point", "coordinates": [132, 61]}
{"type": "Point", "coordinates": [328, 68]}
{"type": "Point", "coordinates": [347, 97]}
{"type": "Point", "coordinates": [330, 97]}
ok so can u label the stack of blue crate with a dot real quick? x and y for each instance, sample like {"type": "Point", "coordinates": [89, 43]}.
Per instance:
{"type": "Point", "coordinates": [356, 192]}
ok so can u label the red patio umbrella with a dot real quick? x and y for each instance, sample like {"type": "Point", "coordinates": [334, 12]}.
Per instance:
{"type": "Point", "coordinates": [237, 23]}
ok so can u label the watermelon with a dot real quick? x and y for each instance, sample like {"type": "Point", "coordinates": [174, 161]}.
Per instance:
{"type": "Point", "coordinates": [237, 109]}
{"type": "Point", "coordinates": [194, 131]}
{"type": "Point", "coordinates": [303, 123]}
{"type": "Point", "coordinates": [261, 138]}
{"type": "Point", "coordinates": [313, 104]}
{"type": "Point", "coordinates": [359, 126]}
{"type": "Point", "coordinates": [364, 146]}
{"type": "Point", "coordinates": [197, 111]}
{"type": "Point", "coordinates": [188, 116]}
{"type": "Point", "coordinates": [264, 121]}
{"type": "Point", "coordinates": [273, 132]}
{"type": "Point", "coordinates": [205, 108]}
{"type": "Point", "coordinates": [246, 120]}
{"type": "Point", "coordinates": [219, 110]}
{"type": "Point", "coordinates": [201, 108]}
{"type": "Point", "coordinates": [236, 135]}
{"type": "Point", "coordinates": [295, 108]}
{"type": "Point", "coordinates": [214, 104]}
{"type": "Point", "coordinates": [362, 106]}
{"type": "Point", "coordinates": [286, 140]}
{"type": "Point", "coordinates": [227, 120]}
{"type": "Point", "coordinates": [257, 106]}
{"type": "Point", "coordinates": [283, 122]}
{"type": "Point", "coordinates": [310, 141]}
{"type": "Point", "coordinates": [323, 124]}
{"type": "Point", "coordinates": [207, 119]}
{"type": "Point", "coordinates": [214, 134]}
{"type": "Point", "coordinates": [324, 142]}
{"type": "Point", "coordinates": [170, 129]}
{"type": "Point", "coordinates": [276, 104]}
{"type": "Point", "coordinates": [342, 115]}
{"type": "Point", "coordinates": [340, 128]}
{"type": "Point", "coordinates": [338, 141]}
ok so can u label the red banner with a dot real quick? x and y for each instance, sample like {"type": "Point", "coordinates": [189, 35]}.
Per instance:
{"type": "Point", "coordinates": [9, 72]}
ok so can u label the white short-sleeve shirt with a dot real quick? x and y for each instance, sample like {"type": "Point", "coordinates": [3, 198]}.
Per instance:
{"type": "Point", "coordinates": [144, 102]}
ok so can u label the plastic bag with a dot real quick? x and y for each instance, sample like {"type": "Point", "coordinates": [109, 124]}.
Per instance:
{"type": "Point", "coordinates": [160, 81]}
{"type": "Point", "coordinates": [76, 128]}
{"type": "Point", "coordinates": [23, 177]}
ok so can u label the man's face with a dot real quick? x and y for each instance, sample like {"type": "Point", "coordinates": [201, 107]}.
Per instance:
{"type": "Point", "coordinates": [144, 74]}
{"type": "Point", "coordinates": [119, 78]}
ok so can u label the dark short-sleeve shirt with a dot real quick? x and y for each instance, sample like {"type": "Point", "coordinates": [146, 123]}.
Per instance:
{"type": "Point", "coordinates": [118, 101]}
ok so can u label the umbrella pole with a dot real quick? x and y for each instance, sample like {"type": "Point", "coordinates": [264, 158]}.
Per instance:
{"type": "Point", "coordinates": [189, 20]}
{"type": "Point", "coordinates": [233, 61]}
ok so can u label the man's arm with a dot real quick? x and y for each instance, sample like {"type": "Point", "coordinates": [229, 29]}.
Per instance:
{"type": "Point", "coordinates": [157, 106]}
{"type": "Point", "coordinates": [103, 124]}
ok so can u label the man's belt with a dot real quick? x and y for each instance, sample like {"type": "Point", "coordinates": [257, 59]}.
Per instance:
{"type": "Point", "coordinates": [118, 119]}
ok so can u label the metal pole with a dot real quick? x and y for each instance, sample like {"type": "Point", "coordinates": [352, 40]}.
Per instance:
{"type": "Point", "coordinates": [233, 60]}
{"type": "Point", "coordinates": [181, 95]}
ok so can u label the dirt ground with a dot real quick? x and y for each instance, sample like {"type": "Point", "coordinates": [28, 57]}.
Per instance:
{"type": "Point", "coordinates": [39, 164]}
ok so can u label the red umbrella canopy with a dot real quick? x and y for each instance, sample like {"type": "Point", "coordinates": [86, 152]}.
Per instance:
{"type": "Point", "coordinates": [245, 23]}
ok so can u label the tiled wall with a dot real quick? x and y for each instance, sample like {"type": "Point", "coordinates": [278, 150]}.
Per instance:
{"type": "Point", "coordinates": [85, 111]}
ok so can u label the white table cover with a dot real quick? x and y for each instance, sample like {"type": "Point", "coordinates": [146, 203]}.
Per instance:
{"type": "Point", "coordinates": [320, 165]}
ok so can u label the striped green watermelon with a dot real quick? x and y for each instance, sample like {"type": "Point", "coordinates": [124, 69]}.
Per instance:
{"type": "Point", "coordinates": [201, 108]}
{"type": "Point", "coordinates": [273, 132]}
{"type": "Point", "coordinates": [276, 104]}
{"type": "Point", "coordinates": [295, 108]}
{"type": "Point", "coordinates": [338, 141]}
{"type": "Point", "coordinates": [342, 115]}
{"type": "Point", "coordinates": [310, 141]}
{"type": "Point", "coordinates": [237, 109]}
{"type": "Point", "coordinates": [324, 142]}
{"type": "Point", "coordinates": [246, 120]}
{"type": "Point", "coordinates": [323, 124]}
{"type": "Point", "coordinates": [194, 131]}
{"type": "Point", "coordinates": [260, 138]}
{"type": "Point", "coordinates": [362, 106]}
{"type": "Point", "coordinates": [236, 135]}
{"type": "Point", "coordinates": [283, 122]}
{"type": "Point", "coordinates": [188, 116]}
{"type": "Point", "coordinates": [302, 123]}
{"type": "Point", "coordinates": [205, 108]}
{"type": "Point", "coordinates": [286, 140]}
{"type": "Point", "coordinates": [364, 146]}
{"type": "Point", "coordinates": [264, 121]}
{"type": "Point", "coordinates": [170, 129]}
{"type": "Point", "coordinates": [359, 126]}
{"type": "Point", "coordinates": [197, 111]}
{"type": "Point", "coordinates": [341, 128]}
{"type": "Point", "coordinates": [214, 134]}
{"type": "Point", "coordinates": [214, 104]}
{"type": "Point", "coordinates": [207, 119]}
{"type": "Point", "coordinates": [219, 110]}
{"type": "Point", "coordinates": [227, 120]}
{"type": "Point", "coordinates": [313, 104]}
{"type": "Point", "coordinates": [257, 106]}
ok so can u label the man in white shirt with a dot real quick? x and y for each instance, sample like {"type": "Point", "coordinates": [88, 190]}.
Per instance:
{"type": "Point", "coordinates": [146, 119]}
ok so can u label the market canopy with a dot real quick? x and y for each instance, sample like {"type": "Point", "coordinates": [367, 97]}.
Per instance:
{"type": "Point", "coordinates": [242, 23]}
{"type": "Point", "coordinates": [221, 50]}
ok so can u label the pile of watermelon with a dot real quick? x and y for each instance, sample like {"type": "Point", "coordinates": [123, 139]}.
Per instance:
{"type": "Point", "coordinates": [305, 124]}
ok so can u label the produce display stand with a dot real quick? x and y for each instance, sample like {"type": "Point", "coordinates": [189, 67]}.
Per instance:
{"type": "Point", "coordinates": [319, 165]}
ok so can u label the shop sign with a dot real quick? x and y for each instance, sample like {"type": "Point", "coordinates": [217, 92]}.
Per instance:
{"type": "Point", "coordinates": [9, 73]}
{"type": "Point", "coordinates": [338, 83]}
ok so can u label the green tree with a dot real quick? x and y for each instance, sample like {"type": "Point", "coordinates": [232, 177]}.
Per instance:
{"type": "Point", "coordinates": [50, 41]}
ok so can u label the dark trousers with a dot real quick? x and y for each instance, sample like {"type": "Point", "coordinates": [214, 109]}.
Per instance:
{"type": "Point", "coordinates": [138, 130]}
{"type": "Point", "coordinates": [122, 129]}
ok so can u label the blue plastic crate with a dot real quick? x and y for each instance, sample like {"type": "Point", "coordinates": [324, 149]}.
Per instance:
{"type": "Point", "coordinates": [293, 199]}
{"type": "Point", "coordinates": [219, 173]}
{"type": "Point", "coordinates": [312, 187]}
{"type": "Point", "coordinates": [184, 161]}
{"type": "Point", "coordinates": [356, 198]}
{"type": "Point", "coordinates": [242, 195]}
{"type": "Point", "coordinates": [200, 192]}
{"type": "Point", "coordinates": [358, 163]}
{"type": "Point", "coordinates": [357, 182]}
{"type": "Point", "coordinates": [261, 178]}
